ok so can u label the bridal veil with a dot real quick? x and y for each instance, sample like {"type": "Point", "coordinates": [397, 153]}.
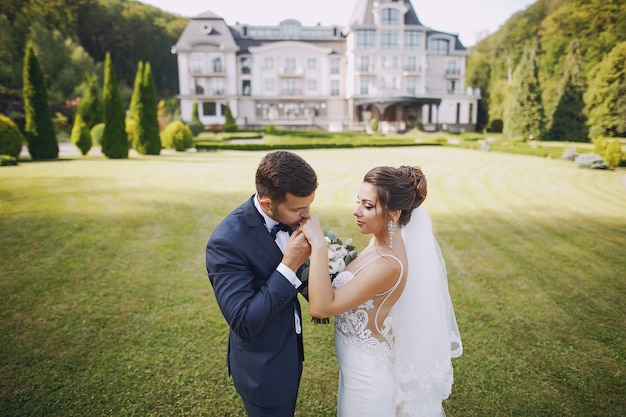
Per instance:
{"type": "Point", "coordinates": [425, 332]}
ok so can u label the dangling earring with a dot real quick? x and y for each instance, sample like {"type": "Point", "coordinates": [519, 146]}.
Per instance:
{"type": "Point", "coordinates": [391, 227]}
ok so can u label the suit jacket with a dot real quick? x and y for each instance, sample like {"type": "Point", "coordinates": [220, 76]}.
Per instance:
{"type": "Point", "coordinates": [265, 354]}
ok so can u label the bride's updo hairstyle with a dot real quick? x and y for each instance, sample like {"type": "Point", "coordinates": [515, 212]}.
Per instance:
{"type": "Point", "coordinates": [402, 188]}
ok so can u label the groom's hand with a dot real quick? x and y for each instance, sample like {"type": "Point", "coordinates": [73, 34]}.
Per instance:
{"type": "Point", "coordinates": [297, 251]}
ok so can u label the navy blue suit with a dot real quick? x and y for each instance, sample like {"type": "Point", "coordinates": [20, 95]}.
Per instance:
{"type": "Point", "coordinates": [265, 354]}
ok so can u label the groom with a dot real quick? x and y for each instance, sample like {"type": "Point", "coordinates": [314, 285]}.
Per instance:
{"type": "Point", "coordinates": [253, 268]}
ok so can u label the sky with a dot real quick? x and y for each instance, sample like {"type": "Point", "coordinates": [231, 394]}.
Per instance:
{"type": "Point", "coordinates": [471, 20]}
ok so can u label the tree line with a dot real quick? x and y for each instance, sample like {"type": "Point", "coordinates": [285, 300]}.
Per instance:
{"type": "Point", "coordinates": [552, 71]}
{"type": "Point", "coordinates": [555, 71]}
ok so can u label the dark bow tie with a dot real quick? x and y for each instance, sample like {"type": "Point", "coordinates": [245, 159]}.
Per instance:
{"type": "Point", "coordinates": [280, 227]}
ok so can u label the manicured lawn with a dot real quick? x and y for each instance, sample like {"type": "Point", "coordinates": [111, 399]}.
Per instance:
{"type": "Point", "coordinates": [106, 308]}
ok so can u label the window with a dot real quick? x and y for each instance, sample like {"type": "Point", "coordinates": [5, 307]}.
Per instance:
{"type": "Point", "coordinates": [451, 68]}
{"type": "Point", "coordinates": [311, 84]}
{"type": "Point", "coordinates": [438, 46]}
{"type": "Point", "coordinates": [246, 88]}
{"type": "Point", "coordinates": [334, 87]}
{"type": "Point", "coordinates": [197, 63]}
{"type": "Point", "coordinates": [291, 86]}
{"type": "Point", "coordinates": [311, 63]}
{"type": "Point", "coordinates": [365, 85]}
{"type": "Point", "coordinates": [269, 63]}
{"type": "Point", "coordinates": [458, 112]}
{"type": "Point", "coordinates": [245, 65]}
{"type": "Point", "coordinates": [217, 65]}
{"type": "Point", "coordinates": [209, 108]}
{"type": "Point", "coordinates": [218, 86]}
{"type": "Point", "coordinates": [365, 39]}
{"type": "Point", "coordinates": [411, 64]}
{"type": "Point", "coordinates": [410, 86]}
{"type": "Point", "coordinates": [290, 63]}
{"type": "Point", "coordinates": [412, 39]}
{"type": "Point", "coordinates": [389, 17]}
{"type": "Point", "coordinates": [199, 87]}
{"type": "Point", "coordinates": [381, 83]}
{"type": "Point", "coordinates": [334, 65]}
{"type": "Point", "coordinates": [450, 86]}
{"type": "Point", "coordinates": [269, 84]}
{"type": "Point", "coordinates": [389, 39]}
{"type": "Point", "coordinates": [383, 61]}
{"type": "Point", "coordinates": [364, 63]}
{"type": "Point", "coordinates": [394, 61]}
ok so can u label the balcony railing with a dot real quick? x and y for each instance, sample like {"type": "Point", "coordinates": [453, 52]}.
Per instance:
{"type": "Point", "coordinates": [290, 72]}
{"type": "Point", "coordinates": [208, 72]}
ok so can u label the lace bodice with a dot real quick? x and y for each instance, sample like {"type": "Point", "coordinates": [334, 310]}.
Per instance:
{"type": "Point", "coordinates": [360, 325]}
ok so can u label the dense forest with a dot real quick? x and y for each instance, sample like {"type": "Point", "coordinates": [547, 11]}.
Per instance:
{"type": "Point", "coordinates": [554, 29]}
{"type": "Point", "coordinates": [564, 44]}
{"type": "Point", "coordinates": [71, 39]}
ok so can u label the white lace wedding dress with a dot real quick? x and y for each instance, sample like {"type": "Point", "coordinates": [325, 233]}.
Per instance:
{"type": "Point", "coordinates": [404, 368]}
{"type": "Point", "coordinates": [365, 355]}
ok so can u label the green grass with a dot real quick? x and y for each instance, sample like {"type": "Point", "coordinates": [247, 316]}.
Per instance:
{"type": "Point", "coordinates": [106, 308]}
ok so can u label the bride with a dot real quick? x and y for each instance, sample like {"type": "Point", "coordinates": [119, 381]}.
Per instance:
{"type": "Point", "coordinates": [395, 329]}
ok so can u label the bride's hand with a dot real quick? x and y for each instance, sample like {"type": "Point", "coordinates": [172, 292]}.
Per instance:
{"type": "Point", "coordinates": [312, 230]}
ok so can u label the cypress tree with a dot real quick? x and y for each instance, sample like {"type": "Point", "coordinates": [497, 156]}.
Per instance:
{"type": "Point", "coordinates": [133, 127]}
{"type": "Point", "coordinates": [525, 117]}
{"type": "Point", "coordinates": [569, 122]}
{"type": "Point", "coordinates": [39, 131]}
{"type": "Point", "coordinates": [81, 137]}
{"type": "Point", "coordinates": [114, 141]}
{"type": "Point", "coordinates": [229, 125]}
{"type": "Point", "coordinates": [90, 108]}
{"type": "Point", "coordinates": [147, 136]}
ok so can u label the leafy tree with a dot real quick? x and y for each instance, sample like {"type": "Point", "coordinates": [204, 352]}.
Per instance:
{"type": "Point", "coordinates": [40, 135]}
{"type": "Point", "coordinates": [81, 137]}
{"type": "Point", "coordinates": [63, 61]}
{"type": "Point", "coordinates": [525, 114]}
{"type": "Point", "coordinates": [569, 122]}
{"type": "Point", "coordinates": [114, 141]}
{"type": "Point", "coordinates": [90, 108]}
{"type": "Point", "coordinates": [10, 77]}
{"type": "Point", "coordinates": [604, 100]}
{"type": "Point", "coordinates": [229, 125]}
{"type": "Point", "coordinates": [10, 138]}
{"type": "Point", "coordinates": [147, 140]}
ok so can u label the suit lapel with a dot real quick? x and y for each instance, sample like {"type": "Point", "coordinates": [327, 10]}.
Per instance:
{"type": "Point", "coordinates": [259, 232]}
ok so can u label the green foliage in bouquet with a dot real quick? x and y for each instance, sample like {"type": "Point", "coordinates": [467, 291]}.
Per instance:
{"type": "Point", "coordinates": [340, 254]}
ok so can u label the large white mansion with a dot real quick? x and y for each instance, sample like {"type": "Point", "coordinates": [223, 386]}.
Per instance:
{"type": "Point", "coordinates": [385, 64]}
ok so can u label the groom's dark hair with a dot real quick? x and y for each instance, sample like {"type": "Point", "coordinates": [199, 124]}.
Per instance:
{"type": "Point", "coordinates": [281, 173]}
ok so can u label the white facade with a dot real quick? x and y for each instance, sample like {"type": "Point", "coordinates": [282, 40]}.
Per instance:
{"type": "Point", "coordinates": [385, 64]}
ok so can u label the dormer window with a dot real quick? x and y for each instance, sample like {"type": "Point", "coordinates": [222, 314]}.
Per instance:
{"type": "Point", "coordinates": [438, 46]}
{"type": "Point", "coordinates": [389, 17]}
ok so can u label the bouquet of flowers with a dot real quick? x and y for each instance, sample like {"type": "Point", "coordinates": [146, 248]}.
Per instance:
{"type": "Point", "coordinates": [340, 254]}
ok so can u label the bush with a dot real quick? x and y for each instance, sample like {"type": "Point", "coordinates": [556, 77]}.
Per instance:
{"type": "Point", "coordinates": [196, 128]}
{"type": "Point", "coordinates": [613, 153]}
{"type": "Point", "coordinates": [96, 134]}
{"type": "Point", "coordinates": [10, 138]}
{"type": "Point", "coordinates": [374, 125]}
{"type": "Point", "coordinates": [81, 136]}
{"type": "Point", "coordinates": [6, 160]}
{"type": "Point", "coordinates": [177, 135]}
